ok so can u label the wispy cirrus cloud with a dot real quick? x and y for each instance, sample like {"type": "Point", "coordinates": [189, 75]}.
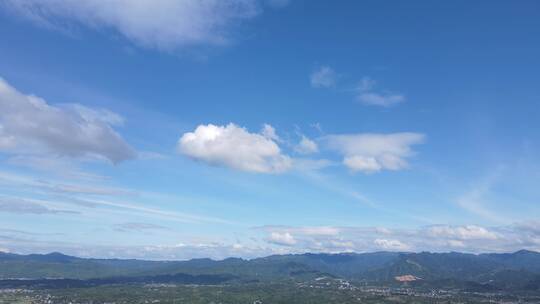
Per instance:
{"type": "Point", "coordinates": [59, 187]}
{"type": "Point", "coordinates": [365, 92]}
{"type": "Point", "coordinates": [26, 206]}
{"type": "Point", "coordinates": [475, 199]}
{"type": "Point", "coordinates": [138, 227]}
{"type": "Point", "coordinates": [59, 166]}
{"type": "Point", "coordinates": [90, 199]}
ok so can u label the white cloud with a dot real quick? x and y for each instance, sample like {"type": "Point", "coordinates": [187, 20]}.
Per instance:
{"type": "Point", "coordinates": [217, 250]}
{"type": "Point", "coordinates": [270, 132]}
{"type": "Point", "coordinates": [531, 227]}
{"type": "Point", "coordinates": [361, 163]}
{"type": "Point", "coordinates": [104, 115]}
{"type": "Point", "coordinates": [306, 146]}
{"type": "Point", "coordinates": [439, 238]}
{"type": "Point", "coordinates": [368, 96]}
{"type": "Point", "coordinates": [456, 243]}
{"type": "Point", "coordinates": [234, 147]}
{"type": "Point", "coordinates": [320, 230]}
{"type": "Point", "coordinates": [390, 244]}
{"type": "Point", "coordinates": [6, 141]}
{"type": "Point", "coordinates": [317, 126]}
{"type": "Point", "coordinates": [285, 239]}
{"type": "Point", "coordinates": [380, 99]}
{"type": "Point", "coordinates": [324, 77]}
{"type": "Point", "coordinates": [163, 24]}
{"type": "Point", "coordinates": [468, 232]}
{"type": "Point", "coordinates": [371, 152]}
{"type": "Point", "coordinates": [366, 84]}
{"type": "Point", "coordinates": [28, 124]}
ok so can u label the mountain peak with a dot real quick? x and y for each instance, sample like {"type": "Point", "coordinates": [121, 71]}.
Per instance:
{"type": "Point", "coordinates": [525, 251]}
{"type": "Point", "coordinates": [56, 254]}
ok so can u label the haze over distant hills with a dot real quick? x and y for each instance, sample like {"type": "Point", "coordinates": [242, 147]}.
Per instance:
{"type": "Point", "coordinates": [490, 271]}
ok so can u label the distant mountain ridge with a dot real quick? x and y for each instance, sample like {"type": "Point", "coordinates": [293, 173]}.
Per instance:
{"type": "Point", "coordinates": [519, 270]}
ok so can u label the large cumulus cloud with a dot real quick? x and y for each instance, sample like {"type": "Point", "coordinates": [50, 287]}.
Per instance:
{"type": "Point", "coordinates": [233, 146]}
{"type": "Point", "coordinates": [29, 124]}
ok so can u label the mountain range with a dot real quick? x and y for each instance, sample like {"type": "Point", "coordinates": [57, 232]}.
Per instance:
{"type": "Point", "coordinates": [490, 271]}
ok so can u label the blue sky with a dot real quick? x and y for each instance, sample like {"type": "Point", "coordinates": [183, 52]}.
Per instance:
{"type": "Point", "coordinates": [172, 130]}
